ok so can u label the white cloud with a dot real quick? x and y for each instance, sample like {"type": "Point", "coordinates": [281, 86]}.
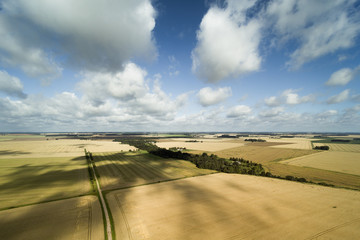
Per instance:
{"type": "Point", "coordinates": [227, 43]}
{"type": "Point", "coordinates": [272, 101]}
{"type": "Point", "coordinates": [239, 111]}
{"type": "Point", "coordinates": [207, 96]}
{"type": "Point", "coordinates": [92, 35]}
{"type": "Point", "coordinates": [341, 97]}
{"type": "Point", "coordinates": [131, 90]}
{"type": "Point", "coordinates": [272, 112]}
{"type": "Point", "coordinates": [11, 85]}
{"type": "Point", "coordinates": [319, 28]}
{"type": "Point", "coordinates": [290, 97]}
{"type": "Point", "coordinates": [342, 77]}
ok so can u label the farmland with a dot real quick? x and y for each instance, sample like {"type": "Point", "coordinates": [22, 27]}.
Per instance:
{"type": "Point", "coordinates": [151, 197]}
{"type": "Point", "coordinates": [229, 206]}
{"type": "Point", "coordinates": [56, 148]}
{"type": "Point", "coordinates": [31, 180]}
{"type": "Point", "coordinates": [76, 218]}
{"type": "Point", "coordinates": [119, 170]}
{"type": "Point", "coordinates": [207, 145]}
{"type": "Point", "coordinates": [345, 162]}
{"type": "Point", "coordinates": [341, 147]}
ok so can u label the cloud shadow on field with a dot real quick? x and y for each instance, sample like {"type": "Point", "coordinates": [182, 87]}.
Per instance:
{"type": "Point", "coordinates": [7, 152]}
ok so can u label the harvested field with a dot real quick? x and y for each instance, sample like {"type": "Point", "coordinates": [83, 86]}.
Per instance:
{"type": "Point", "coordinates": [118, 170]}
{"type": "Point", "coordinates": [231, 206]}
{"type": "Point", "coordinates": [294, 143]}
{"type": "Point", "coordinates": [345, 162]}
{"type": "Point", "coordinates": [263, 154]}
{"type": "Point", "coordinates": [32, 180]}
{"type": "Point", "coordinates": [76, 218]}
{"type": "Point", "coordinates": [341, 147]}
{"type": "Point", "coordinates": [57, 148]}
{"type": "Point", "coordinates": [209, 145]}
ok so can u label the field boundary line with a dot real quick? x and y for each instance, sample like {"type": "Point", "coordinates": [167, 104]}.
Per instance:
{"type": "Point", "coordinates": [101, 198]}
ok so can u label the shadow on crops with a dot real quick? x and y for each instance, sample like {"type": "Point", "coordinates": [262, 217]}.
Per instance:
{"type": "Point", "coordinates": [120, 170]}
{"type": "Point", "coordinates": [7, 152]}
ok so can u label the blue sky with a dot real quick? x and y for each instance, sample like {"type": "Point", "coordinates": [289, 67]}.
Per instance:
{"type": "Point", "coordinates": [141, 65]}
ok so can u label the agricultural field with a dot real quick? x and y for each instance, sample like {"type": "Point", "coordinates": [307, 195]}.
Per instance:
{"type": "Point", "coordinates": [208, 145]}
{"type": "Point", "coordinates": [345, 162]}
{"type": "Point", "coordinates": [262, 154]}
{"type": "Point", "coordinates": [232, 206]}
{"type": "Point", "coordinates": [75, 218]}
{"type": "Point", "coordinates": [340, 147]}
{"type": "Point", "coordinates": [293, 143]}
{"type": "Point", "coordinates": [31, 180]}
{"type": "Point", "coordinates": [118, 170]}
{"type": "Point", "coordinates": [57, 148]}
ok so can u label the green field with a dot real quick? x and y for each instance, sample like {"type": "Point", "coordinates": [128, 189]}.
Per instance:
{"type": "Point", "coordinates": [30, 180]}
{"type": "Point", "coordinates": [118, 170]}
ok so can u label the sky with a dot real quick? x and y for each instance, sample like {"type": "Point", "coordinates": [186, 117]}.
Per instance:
{"type": "Point", "coordinates": [180, 66]}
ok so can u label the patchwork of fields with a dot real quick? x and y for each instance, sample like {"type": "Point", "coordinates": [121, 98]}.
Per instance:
{"type": "Point", "coordinates": [45, 191]}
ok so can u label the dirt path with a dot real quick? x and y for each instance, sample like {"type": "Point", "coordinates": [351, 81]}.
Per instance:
{"type": "Point", "coordinates": [102, 202]}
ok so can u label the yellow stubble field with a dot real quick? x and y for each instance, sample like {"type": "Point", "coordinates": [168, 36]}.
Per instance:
{"type": "Point", "coordinates": [231, 206]}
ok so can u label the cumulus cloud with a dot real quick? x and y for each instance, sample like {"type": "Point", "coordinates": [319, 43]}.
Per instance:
{"type": "Point", "coordinates": [341, 97]}
{"type": "Point", "coordinates": [229, 38]}
{"type": "Point", "coordinates": [319, 28]}
{"type": "Point", "coordinates": [272, 101]}
{"type": "Point", "coordinates": [271, 112]}
{"type": "Point", "coordinates": [131, 90]}
{"type": "Point", "coordinates": [92, 35]}
{"type": "Point", "coordinates": [342, 76]}
{"type": "Point", "coordinates": [11, 85]}
{"type": "Point", "coordinates": [238, 111]}
{"type": "Point", "coordinates": [227, 43]}
{"type": "Point", "coordinates": [208, 96]}
{"type": "Point", "coordinates": [290, 97]}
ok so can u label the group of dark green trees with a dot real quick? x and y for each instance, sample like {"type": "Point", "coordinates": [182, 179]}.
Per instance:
{"type": "Point", "coordinates": [233, 165]}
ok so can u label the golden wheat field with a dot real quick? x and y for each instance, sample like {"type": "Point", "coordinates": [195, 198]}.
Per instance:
{"type": "Point", "coordinates": [57, 148]}
{"type": "Point", "coordinates": [341, 147]}
{"type": "Point", "coordinates": [231, 206]}
{"type": "Point", "coordinates": [345, 162]}
{"type": "Point", "coordinates": [262, 154]}
{"type": "Point", "coordinates": [208, 145]}
{"type": "Point", "coordinates": [294, 143]}
{"type": "Point", "coordinates": [76, 219]}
